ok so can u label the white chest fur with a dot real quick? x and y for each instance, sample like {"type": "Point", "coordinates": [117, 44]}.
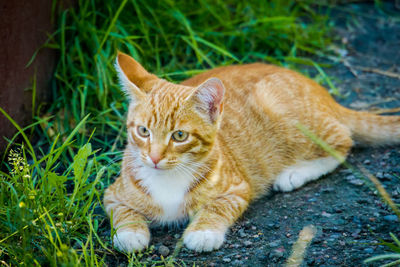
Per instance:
{"type": "Point", "coordinates": [168, 189]}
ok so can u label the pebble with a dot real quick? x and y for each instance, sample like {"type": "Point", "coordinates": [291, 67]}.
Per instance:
{"type": "Point", "coordinates": [274, 244]}
{"type": "Point", "coordinates": [312, 199]}
{"type": "Point", "coordinates": [356, 181]}
{"type": "Point", "coordinates": [277, 253]}
{"type": "Point", "coordinates": [163, 250]}
{"type": "Point", "coordinates": [387, 176]}
{"type": "Point", "coordinates": [242, 233]}
{"type": "Point", "coordinates": [369, 250]}
{"type": "Point", "coordinates": [177, 236]}
{"type": "Point", "coordinates": [327, 190]}
{"type": "Point", "coordinates": [326, 214]}
{"type": "Point", "coordinates": [226, 260]}
{"type": "Point", "coordinates": [391, 218]}
{"type": "Point", "coordinates": [247, 243]}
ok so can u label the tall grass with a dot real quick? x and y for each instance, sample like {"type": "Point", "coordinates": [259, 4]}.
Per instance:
{"type": "Point", "coordinates": [51, 190]}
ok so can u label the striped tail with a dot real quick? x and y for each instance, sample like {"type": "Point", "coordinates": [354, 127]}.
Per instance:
{"type": "Point", "coordinates": [371, 129]}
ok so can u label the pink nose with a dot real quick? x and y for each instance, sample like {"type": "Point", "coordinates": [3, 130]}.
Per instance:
{"type": "Point", "coordinates": [155, 158]}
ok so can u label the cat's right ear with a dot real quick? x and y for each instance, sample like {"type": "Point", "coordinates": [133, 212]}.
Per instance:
{"type": "Point", "coordinates": [131, 76]}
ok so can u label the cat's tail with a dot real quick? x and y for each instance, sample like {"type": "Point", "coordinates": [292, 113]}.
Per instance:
{"type": "Point", "coordinates": [371, 129]}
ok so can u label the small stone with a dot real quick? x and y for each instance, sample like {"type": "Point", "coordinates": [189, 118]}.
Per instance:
{"type": "Point", "coordinates": [312, 199]}
{"type": "Point", "coordinates": [177, 236]}
{"type": "Point", "coordinates": [219, 253]}
{"type": "Point", "coordinates": [387, 176]}
{"type": "Point", "coordinates": [226, 260]}
{"type": "Point", "coordinates": [274, 244]}
{"type": "Point", "coordinates": [327, 190]}
{"type": "Point", "coordinates": [369, 250]}
{"type": "Point", "coordinates": [271, 225]}
{"type": "Point", "coordinates": [367, 161]}
{"type": "Point", "coordinates": [253, 228]}
{"type": "Point", "coordinates": [391, 218]}
{"type": "Point", "coordinates": [356, 181]}
{"type": "Point", "coordinates": [379, 175]}
{"type": "Point", "coordinates": [326, 214]}
{"type": "Point", "coordinates": [163, 250]}
{"type": "Point", "coordinates": [242, 233]}
{"type": "Point", "coordinates": [277, 253]}
{"type": "Point", "coordinates": [247, 243]}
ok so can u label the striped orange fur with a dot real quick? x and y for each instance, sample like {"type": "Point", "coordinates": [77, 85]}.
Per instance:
{"type": "Point", "coordinates": [205, 148]}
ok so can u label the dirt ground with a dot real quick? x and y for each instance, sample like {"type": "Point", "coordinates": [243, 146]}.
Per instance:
{"type": "Point", "coordinates": [348, 214]}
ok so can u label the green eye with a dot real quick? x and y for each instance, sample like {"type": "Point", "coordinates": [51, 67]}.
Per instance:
{"type": "Point", "coordinates": [142, 131]}
{"type": "Point", "coordinates": [180, 136]}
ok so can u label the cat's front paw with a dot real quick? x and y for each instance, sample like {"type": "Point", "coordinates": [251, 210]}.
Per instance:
{"type": "Point", "coordinates": [204, 240]}
{"type": "Point", "coordinates": [130, 241]}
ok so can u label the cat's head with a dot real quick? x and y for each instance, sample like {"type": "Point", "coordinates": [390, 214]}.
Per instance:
{"type": "Point", "coordinates": [169, 125]}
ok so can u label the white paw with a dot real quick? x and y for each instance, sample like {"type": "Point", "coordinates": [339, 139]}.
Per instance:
{"type": "Point", "coordinates": [206, 240]}
{"type": "Point", "coordinates": [130, 241]}
{"type": "Point", "coordinates": [288, 181]}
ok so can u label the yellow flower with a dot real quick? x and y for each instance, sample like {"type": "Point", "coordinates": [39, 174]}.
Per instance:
{"type": "Point", "coordinates": [21, 204]}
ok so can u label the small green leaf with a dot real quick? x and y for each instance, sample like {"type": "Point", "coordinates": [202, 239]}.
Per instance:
{"type": "Point", "coordinates": [56, 180]}
{"type": "Point", "coordinates": [80, 161]}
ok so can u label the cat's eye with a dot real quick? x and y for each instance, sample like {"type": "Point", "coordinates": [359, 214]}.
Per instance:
{"type": "Point", "coordinates": [142, 131]}
{"type": "Point", "coordinates": [180, 136]}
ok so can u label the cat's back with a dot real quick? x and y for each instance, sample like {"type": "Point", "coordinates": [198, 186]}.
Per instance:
{"type": "Point", "coordinates": [243, 81]}
{"type": "Point", "coordinates": [237, 75]}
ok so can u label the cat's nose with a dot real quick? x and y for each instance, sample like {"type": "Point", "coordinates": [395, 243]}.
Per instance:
{"type": "Point", "coordinates": [155, 158]}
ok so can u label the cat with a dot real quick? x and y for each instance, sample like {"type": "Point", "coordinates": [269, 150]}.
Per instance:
{"type": "Point", "coordinates": [205, 148]}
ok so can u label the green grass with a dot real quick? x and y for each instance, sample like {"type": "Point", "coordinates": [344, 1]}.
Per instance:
{"type": "Point", "coordinates": [50, 206]}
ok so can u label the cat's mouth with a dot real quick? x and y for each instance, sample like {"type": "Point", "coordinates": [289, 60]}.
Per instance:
{"type": "Point", "coordinates": [158, 167]}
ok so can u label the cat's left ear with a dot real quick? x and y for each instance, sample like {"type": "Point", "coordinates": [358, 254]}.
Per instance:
{"type": "Point", "coordinates": [208, 98]}
{"type": "Point", "coordinates": [132, 76]}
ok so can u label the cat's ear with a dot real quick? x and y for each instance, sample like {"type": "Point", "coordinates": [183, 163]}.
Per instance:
{"type": "Point", "coordinates": [208, 98]}
{"type": "Point", "coordinates": [132, 76]}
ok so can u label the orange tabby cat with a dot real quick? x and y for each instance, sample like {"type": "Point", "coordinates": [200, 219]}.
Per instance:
{"type": "Point", "coordinates": [205, 148]}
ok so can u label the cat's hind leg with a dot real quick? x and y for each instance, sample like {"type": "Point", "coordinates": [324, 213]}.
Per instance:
{"type": "Point", "coordinates": [297, 175]}
{"type": "Point", "coordinates": [336, 136]}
